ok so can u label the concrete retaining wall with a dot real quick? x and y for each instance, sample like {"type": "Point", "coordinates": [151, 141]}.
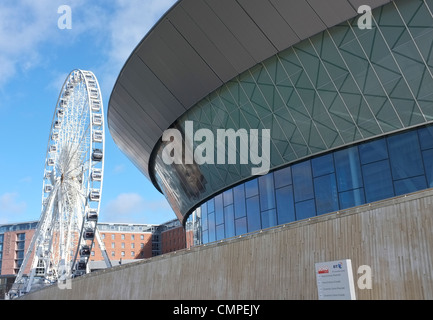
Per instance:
{"type": "Point", "coordinates": [393, 237]}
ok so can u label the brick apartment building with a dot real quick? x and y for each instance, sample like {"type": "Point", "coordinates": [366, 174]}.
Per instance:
{"type": "Point", "coordinates": [123, 242]}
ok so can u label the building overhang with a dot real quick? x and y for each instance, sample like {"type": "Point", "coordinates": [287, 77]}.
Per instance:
{"type": "Point", "coordinates": [196, 47]}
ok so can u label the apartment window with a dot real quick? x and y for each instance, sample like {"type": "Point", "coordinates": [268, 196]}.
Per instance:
{"type": "Point", "coordinates": [142, 237]}
{"type": "Point", "coordinates": [123, 237]}
{"type": "Point", "coordinates": [132, 237]}
{"type": "Point", "coordinates": [112, 236]}
{"type": "Point", "coordinates": [132, 245]}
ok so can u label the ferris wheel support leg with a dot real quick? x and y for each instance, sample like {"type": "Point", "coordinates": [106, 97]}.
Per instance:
{"type": "Point", "coordinates": [35, 238]}
{"type": "Point", "coordinates": [103, 249]}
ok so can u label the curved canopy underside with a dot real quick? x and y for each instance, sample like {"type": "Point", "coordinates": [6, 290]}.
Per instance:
{"type": "Point", "coordinates": [196, 47]}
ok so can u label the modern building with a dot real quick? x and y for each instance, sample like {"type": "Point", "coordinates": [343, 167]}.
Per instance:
{"type": "Point", "coordinates": [345, 96]}
{"type": "Point", "coordinates": [344, 92]}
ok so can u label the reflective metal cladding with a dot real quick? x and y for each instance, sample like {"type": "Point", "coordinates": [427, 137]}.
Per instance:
{"type": "Point", "coordinates": [301, 69]}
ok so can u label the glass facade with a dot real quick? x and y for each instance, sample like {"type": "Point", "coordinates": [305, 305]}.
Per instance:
{"type": "Point", "coordinates": [371, 171]}
{"type": "Point", "coordinates": [341, 87]}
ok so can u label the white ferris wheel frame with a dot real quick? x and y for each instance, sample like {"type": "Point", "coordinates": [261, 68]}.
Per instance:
{"type": "Point", "coordinates": [72, 186]}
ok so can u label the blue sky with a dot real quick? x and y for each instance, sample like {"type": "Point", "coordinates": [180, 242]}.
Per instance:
{"type": "Point", "coordinates": [35, 58]}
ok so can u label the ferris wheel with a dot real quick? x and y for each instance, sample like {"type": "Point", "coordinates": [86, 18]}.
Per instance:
{"type": "Point", "coordinates": [71, 188]}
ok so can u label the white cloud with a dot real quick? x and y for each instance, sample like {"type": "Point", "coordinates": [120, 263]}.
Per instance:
{"type": "Point", "coordinates": [130, 21]}
{"type": "Point", "coordinates": [11, 206]}
{"type": "Point", "coordinates": [23, 26]}
{"type": "Point", "coordinates": [119, 168]}
{"type": "Point", "coordinates": [133, 208]}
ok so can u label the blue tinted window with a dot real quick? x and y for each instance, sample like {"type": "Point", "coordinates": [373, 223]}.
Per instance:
{"type": "Point", "coordinates": [251, 188]}
{"type": "Point", "coordinates": [241, 226]}
{"type": "Point", "coordinates": [239, 201]}
{"type": "Point", "coordinates": [205, 236]}
{"type": "Point", "coordinates": [373, 151]}
{"type": "Point", "coordinates": [426, 137]}
{"type": "Point", "coordinates": [220, 232]}
{"type": "Point", "coordinates": [228, 197]}
{"type": "Point", "coordinates": [326, 194]}
{"type": "Point", "coordinates": [269, 218]}
{"type": "Point", "coordinates": [211, 226]}
{"type": "Point", "coordinates": [405, 155]}
{"type": "Point", "coordinates": [348, 169]}
{"type": "Point", "coordinates": [428, 164]}
{"type": "Point", "coordinates": [410, 185]}
{"type": "Point", "coordinates": [229, 219]}
{"type": "Point", "coordinates": [305, 209]}
{"type": "Point", "coordinates": [377, 181]}
{"type": "Point", "coordinates": [285, 204]}
{"type": "Point", "coordinates": [302, 181]}
{"type": "Point", "coordinates": [210, 205]}
{"type": "Point", "coordinates": [267, 196]}
{"type": "Point", "coordinates": [219, 209]}
{"type": "Point", "coordinates": [283, 177]}
{"type": "Point", "coordinates": [352, 198]}
{"type": "Point", "coordinates": [204, 216]}
{"type": "Point", "coordinates": [322, 165]}
{"type": "Point", "coordinates": [253, 214]}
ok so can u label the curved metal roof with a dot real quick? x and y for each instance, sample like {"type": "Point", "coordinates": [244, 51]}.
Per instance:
{"type": "Point", "coordinates": [195, 48]}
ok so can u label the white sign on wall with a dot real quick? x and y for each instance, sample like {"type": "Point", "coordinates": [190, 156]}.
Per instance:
{"type": "Point", "coordinates": [335, 280]}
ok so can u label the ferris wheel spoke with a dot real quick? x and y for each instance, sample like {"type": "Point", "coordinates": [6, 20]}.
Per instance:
{"type": "Point", "coordinates": [77, 148]}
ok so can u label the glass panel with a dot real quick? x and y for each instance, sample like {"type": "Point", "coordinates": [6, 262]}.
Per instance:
{"type": "Point", "coordinates": [239, 200]}
{"type": "Point", "coordinates": [269, 218]}
{"type": "Point", "coordinates": [405, 155]}
{"type": "Point", "coordinates": [211, 227]}
{"type": "Point", "coordinates": [229, 221]}
{"type": "Point", "coordinates": [204, 216]}
{"type": "Point", "coordinates": [377, 181]}
{"type": "Point", "coordinates": [285, 204]}
{"type": "Point", "coordinates": [305, 209]}
{"type": "Point", "coordinates": [428, 163]}
{"type": "Point", "coordinates": [205, 236]}
{"type": "Point", "coordinates": [228, 197]}
{"type": "Point", "coordinates": [373, 151]}
{"type": "Point", "coordinates": [348, 169]}
{"type": "Point", "coordinates": [302, 181]}
{"type": "Point", "coordinates": [251, 188]}
{"type": "Point", "coordinates": [426, 137]}
{"type": "Point", "coordinates": [326, 194]}
{"type": "Point", "coordinates": [352, 198]}
{"type": "Point", "coordinates": [253, 214]}
{"type": "Point", "coordinates": [322, 165]}
{"type": "Point", "coordinates": [210, 206]}
{"type": "Point", "coordinates": [241, 226]}
{"type": "Point", "coordinates": [267, 196]}
{"type": "Point", "coordinates": [283, 177]}
{"type": "Point", "coordinates": [220, 232]}
{"type": "Point", "coordinates": [219, 209]}
{"type": "Point", "coordinates": [410, 185]}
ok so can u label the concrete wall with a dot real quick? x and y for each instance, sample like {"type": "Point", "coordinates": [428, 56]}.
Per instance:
{"type": "Point", "coordinates": [393, 237]}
